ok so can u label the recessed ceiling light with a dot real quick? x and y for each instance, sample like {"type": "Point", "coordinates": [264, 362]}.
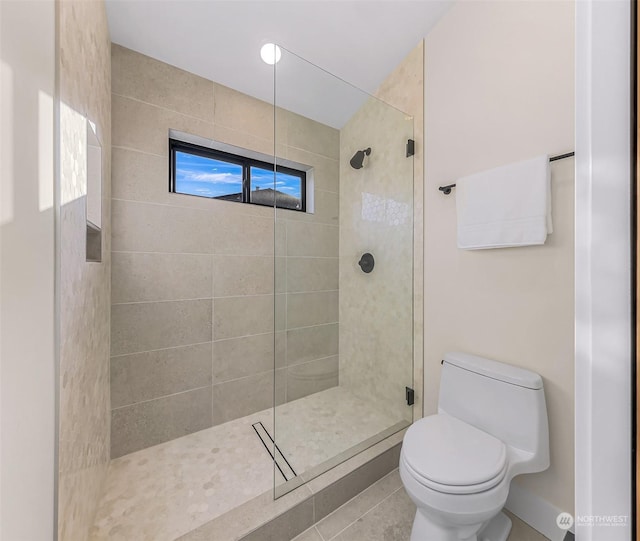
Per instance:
{"type": "Point", "coordinates": [270, 53]}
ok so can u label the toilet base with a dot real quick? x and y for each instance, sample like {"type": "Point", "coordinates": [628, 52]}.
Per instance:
{"type": "Point", "coordinates": [497, 529]}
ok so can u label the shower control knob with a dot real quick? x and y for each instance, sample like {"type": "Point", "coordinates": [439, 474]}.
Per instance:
{"type": "Point", "coordinates": [366, 263]}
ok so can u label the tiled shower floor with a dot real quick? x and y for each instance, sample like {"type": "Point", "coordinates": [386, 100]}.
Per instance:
{"type": "Point", "coordinates": [165, 491]}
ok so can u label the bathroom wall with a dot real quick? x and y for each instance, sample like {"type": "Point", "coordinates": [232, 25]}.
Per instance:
{"type": "Point", "coordinates": [27, 261]}
{"type": "Point", "coordinates": [604, 266]}
{"type": "Point", "coordinates": [499, 87]}
{"type": "Point", "coordinates": [84, 89]}
{"type": "Point", "coordinates": [193, 278]}
{"type": "Point", "coordinates": [376, 208]}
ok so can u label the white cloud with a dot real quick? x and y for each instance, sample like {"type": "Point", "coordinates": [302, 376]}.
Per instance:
{"type": "Point", "coordinates": [212, 178]}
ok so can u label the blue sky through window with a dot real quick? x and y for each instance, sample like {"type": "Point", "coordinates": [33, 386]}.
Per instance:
{"type": "Point", "coordinates": [210, 176]}
{"type": "Point", "coordinates": [207, 177]}
{"type": "Point", "coordinates": [287, 184]}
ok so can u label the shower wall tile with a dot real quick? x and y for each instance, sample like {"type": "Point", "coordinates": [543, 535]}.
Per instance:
{"type": "Point", "coordinates": [312, 136]}
{"type": "Point", "coordinates": [377, 205]}
{"type": "Point", "coordinates": [79, 492]}
{"type": "Point", "coordinates": [310, 343]}
{"type": "Point", "coordinates": [145, 178]}
{"type": "Point", "coordinates": [280, 313]}
{"type": "Point", "coordinates": [149, 423]}
{"type": "Point", "coordinates": [311, 239]}
{"type": "Point", "coordinates": [143, 227]}
{"type": "Point", "coordinates": [307, 309]}
{"type": "Point", "coordinates": [242, 275]}
{"type": "Point", "coordinates": [311, 377]}
{"type": "Point", "coordinates": [326, 209]}
{"type": "Point", "coordinates": [241, 234]}
{"type": "Point", "coordinates": [281, 349]}
{"type": "Point", "coordinates": [312, 274]}
{"type": "Point", "coordinates": [84, 84]}
{"type": "Point", "coordinates": [193, 278]}
{"type": "Point", "coordinates": [145, 127]}
{"type": "Point", "coordinates": [280, 269]}
{"type": "Point", "coordinates": [326, 171]}
{"type": "Point", "coordinates": [243, 113]}
{"type": "Point", "coordinates": [242, 316]}
{"type": "Point", "coordinates": [138, 277]}
{"type": "Point", "coordinates": [153, 374]}
{"type": "Point", "coordinates": [404, 88]}
{"type": "Point", "coordinates": [148, 326]}
{"type": "Point", "coordinates": [240, 397]}
{"type": "Point", "coordinates": [241, 357]}
{"type": "Point", "coordinates": [280, 240]}
{"type": "Point", "coordinates": [246, 140]}
{"type": "Point", "coordinates": [280, 391]}
{"type": "Point", "coordinates": [141, 176]}
{"type": "Point", "coordinates": [151, 81]}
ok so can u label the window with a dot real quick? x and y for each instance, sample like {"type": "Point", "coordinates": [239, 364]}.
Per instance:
{"type": "Point", "coordinates": [205, 172]}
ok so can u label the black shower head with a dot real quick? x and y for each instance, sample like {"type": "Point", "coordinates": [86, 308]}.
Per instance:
{"type": "Point", "coordinates": [358, 158]}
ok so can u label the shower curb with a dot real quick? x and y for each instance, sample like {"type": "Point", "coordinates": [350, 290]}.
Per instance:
{"type": "Point", "coordinates": [304, 515]}
{"type": "Point", "coordinates": [263, 519]}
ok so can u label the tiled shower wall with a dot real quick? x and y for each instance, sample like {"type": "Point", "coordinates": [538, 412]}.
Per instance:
{"type": "Point", "coordinates": [404, 88]}
{"type": "Point", "coordinates": [382, 212]}
{"type": "Point", "coordinates": [84, 92]}
{"type": "Point", "coordinates": [193, 278]}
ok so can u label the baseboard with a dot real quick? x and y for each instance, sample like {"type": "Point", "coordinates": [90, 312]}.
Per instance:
{"type": "Point", "coordinates": [536, 512]}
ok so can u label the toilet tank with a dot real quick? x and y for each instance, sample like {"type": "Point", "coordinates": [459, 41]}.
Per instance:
{"type": "Point", "coordinates": [504, 400]}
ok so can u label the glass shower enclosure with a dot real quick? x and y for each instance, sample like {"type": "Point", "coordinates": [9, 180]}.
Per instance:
{"type": "Point", "coordinates": [343, 291]}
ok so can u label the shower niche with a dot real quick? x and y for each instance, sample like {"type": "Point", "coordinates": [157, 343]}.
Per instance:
{"type": "Point", "coordinates": [343, 319]}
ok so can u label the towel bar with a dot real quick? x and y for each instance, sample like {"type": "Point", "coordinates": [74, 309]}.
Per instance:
{"type": "Point", "coordinates": [446, 190]}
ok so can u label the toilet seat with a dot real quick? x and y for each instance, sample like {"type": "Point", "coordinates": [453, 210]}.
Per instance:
{"type": "Point", "coordinates": [453, 457]}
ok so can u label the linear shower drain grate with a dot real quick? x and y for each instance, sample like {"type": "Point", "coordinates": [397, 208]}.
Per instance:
{"type": "Point", "coordinates": [276, 455]}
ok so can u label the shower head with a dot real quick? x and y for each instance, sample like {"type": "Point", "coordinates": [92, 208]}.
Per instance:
{"type": "Point", "coordinates": [358, 158]}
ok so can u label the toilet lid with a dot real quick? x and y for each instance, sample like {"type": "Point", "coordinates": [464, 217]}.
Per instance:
{"type": "Point", "coordinates": [447, 452]}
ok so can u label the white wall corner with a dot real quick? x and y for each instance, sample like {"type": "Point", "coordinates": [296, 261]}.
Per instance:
{"type": "Point", "coordinates": [602, 269]}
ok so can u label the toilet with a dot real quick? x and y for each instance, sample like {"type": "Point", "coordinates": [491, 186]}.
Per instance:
{"type": "Point", "coordinates": [457, 465]}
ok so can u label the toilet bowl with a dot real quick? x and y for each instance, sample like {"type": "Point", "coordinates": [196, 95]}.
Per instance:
{"type": "Point", "coordinates": [457, 465]}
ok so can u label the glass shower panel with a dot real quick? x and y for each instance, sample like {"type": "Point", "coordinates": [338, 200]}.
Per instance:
{"type": "Point", "coordinates": [343, 272]}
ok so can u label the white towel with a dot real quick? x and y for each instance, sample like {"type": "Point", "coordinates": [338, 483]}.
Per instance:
{"type": "Point", "coordinates": [506, 206]}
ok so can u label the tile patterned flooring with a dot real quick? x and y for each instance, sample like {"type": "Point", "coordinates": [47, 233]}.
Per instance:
{"type": "Point", "coordinates": [384, 512]}
{"type": "Point", "coordinates": [320, 426]}
{"type": "Point", "coordinates": [165, 491]}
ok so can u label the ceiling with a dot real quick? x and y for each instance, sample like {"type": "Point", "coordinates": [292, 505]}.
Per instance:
{"type": "Point", "coordinates": [358, 41]}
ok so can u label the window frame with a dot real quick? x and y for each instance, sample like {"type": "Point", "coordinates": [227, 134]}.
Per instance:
{"type": "Point", "coordinates": [236, 159]}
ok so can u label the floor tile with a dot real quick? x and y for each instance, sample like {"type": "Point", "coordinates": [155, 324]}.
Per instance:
{"type": "Point", "coordinates": [310, 535]}
{"type": "Point", "coordinates": [521, 531]}
{"type": "Point", "coordinates": [320, 426]}
{"type": "Point", "coordinates": [342, 517]}
{"type": "Point", "coordinates": [391, 520]}
{"type": "Point", "coordinates": [171, 489]}
{"type": "Point", "coordinates": [165, 491]}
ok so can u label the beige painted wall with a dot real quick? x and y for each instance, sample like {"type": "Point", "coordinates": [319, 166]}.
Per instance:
{"type": "Point", "coordinates": [376, 215]}
{"type": "Point", "coordinates": [498, 89]}
{"type": "Point", "coordinates": [27, 261]}
{"type": "Point", "coordinates": [85, 81]}
{"type": "Point", "coordinates": [193, 278]}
